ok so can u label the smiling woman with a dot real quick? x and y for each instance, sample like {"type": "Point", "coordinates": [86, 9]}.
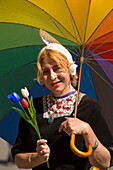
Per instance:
{"type": "Point", "coordinates": [54, 112]}
{"type": "Point", "coordinates": [57, 53]}
{"type": "Point", "coordinates": [56, 76]}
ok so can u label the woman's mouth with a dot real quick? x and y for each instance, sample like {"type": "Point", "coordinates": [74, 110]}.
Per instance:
{"type": "Point", "coordinates": [55, 83]}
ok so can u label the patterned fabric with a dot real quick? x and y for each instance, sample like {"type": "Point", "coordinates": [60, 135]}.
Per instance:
{"type": "Point", "coordinates": [58, 107]}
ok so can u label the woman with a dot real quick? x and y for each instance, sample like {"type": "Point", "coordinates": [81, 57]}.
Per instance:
{"type": "Point", "coordinates": [57, 71]}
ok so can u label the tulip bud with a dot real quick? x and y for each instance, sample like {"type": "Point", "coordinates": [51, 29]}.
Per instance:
{"type": "Point", "coordinates": [14, 97]}
{"type": "Point", "coordinates": [25, 92]}
{"type": "Point", "coordinates": [25, 103]}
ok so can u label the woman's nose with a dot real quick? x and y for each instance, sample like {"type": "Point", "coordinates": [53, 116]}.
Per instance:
{"type": "Point", "coordinates": [53, 75]}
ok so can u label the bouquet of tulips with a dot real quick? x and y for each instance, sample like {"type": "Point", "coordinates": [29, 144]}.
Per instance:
{"type": "Point", "coordinates": [26, 103]}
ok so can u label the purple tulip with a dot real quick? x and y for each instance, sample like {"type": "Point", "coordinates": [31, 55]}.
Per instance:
{"type": "Point", "coordinates": [14, 97]}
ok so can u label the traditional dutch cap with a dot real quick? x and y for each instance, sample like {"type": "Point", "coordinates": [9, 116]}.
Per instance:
{"type": "Point", "coordinates": [52, 43]}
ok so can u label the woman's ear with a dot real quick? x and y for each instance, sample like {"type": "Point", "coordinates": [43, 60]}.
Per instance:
{"type": "Point", "coordinates": [40, 81]}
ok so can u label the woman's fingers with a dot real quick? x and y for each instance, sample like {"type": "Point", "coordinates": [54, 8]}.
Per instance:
{"type": "Point", "coordinates": [41, 141]}
{"type": "Point", "coordinates": [73, 125]}
{"type": "Point", "coordinates": [43, 150]}
{"type": "Point", "coordinates": [63, 126]}
{"type": "Point", "coordinates": [41, 144]}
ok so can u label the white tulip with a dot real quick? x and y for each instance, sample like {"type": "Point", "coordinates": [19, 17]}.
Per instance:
{"type": "Point", "coordinates": [25, 92]}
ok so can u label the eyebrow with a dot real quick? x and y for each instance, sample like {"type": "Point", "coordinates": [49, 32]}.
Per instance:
{"type": "Point", "coordinates": [56, 65]}
{"type": "Point", "coordinates": [44, 68]}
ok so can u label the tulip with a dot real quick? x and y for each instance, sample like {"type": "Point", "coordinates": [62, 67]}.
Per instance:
{"type": "Point", "coordinates": [25, 103]}
{"type": "Point", "coordinates": [14, 97]}
{"type": "Point", "coordinates": [25, 92]}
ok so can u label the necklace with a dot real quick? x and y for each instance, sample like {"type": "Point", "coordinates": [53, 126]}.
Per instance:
{"type": "Point", "coordinates": [58, 107]}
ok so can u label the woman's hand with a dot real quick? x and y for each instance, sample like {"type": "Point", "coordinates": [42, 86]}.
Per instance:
{"type": "Point", "coordinates": [43, 150]}
{"type": "Point", "coordinates": [100, 156]}
{"type": "Point", "coordinates": [74, 125]}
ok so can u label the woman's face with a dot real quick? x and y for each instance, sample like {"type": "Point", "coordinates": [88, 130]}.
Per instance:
{"type": "Point", "coordinates": [55, 78]}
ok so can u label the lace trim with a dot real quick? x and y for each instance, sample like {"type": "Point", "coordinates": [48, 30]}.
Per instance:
{"type": "Point", "coordinates": [59, 107]}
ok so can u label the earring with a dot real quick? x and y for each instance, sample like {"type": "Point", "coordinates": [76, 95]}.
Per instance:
{"type": "Point", "coordinates": [71, 78]}
{"type": "Point", "coordinates": [43, 87]}
{"type": "Point", "coordinates": [40, 82]}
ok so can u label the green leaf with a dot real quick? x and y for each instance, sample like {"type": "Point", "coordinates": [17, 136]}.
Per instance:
{"type": "Point", "coordinates": [24, 115]}
{"type": "Point", "coordinates": [31, 121]}
{"type": "Point", "coordinates": [32, 106]}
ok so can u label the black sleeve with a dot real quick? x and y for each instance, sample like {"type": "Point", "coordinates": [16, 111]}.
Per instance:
{"type": "Point", "coordinates": [98, 123]}
{"type": "Point", "coordinates": [21, 140]}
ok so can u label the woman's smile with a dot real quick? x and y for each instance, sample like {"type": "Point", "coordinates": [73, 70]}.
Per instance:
{"type": "Point", "coordinates": [55, 78]}
{"type": "Point", "coordinates": [57, 83]}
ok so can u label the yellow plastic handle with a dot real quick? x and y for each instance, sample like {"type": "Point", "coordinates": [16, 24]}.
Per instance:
{"type": "Point", "coordinates": [78, 152]}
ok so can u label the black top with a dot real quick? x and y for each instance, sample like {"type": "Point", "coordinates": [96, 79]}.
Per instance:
{"type": "Point", "coordinates": [61, 156]}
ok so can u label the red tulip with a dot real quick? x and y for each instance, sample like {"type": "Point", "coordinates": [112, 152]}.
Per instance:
{"type": "Point", "coordinates": [25, 103]}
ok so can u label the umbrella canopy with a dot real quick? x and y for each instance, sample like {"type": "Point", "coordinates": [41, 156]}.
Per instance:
{"type": "Point", "coordinates": [85, 27]}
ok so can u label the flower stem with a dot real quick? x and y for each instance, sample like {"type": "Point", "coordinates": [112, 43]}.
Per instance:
{"type": "Point", "coordinates": [34, 122]}
{"type": "Point", "coordinates": [30, 105]}
{"type": "Point", "coordinates": [48, 163]}
{"type": "Point", "coordinates": [21, 106]}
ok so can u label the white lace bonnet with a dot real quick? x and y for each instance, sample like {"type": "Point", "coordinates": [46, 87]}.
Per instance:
{"type": "Point", "coordinates": [52, 43]}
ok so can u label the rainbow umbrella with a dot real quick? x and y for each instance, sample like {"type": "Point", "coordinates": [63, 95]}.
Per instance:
{"type": "Point", "coordinates": [84, 27]}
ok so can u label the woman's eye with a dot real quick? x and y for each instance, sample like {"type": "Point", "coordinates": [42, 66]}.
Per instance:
{"type": "Point", "coordinates": [45, 72]}
{"type": "Point", "coordinates": [57, 69]}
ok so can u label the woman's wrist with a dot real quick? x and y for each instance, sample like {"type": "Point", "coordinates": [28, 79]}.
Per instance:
{"type": "Point", "coordinates": [86, 129]}
{"type": "Point", "coordinates": [33, 159]}
{"type": "Point", "coordinates": [89, 136]}
{"type": "Point", "coordinates": [29, 157]}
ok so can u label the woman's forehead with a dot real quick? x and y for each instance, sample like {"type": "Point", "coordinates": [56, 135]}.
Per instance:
{"type": "Point", "coordinates": [48, 61]}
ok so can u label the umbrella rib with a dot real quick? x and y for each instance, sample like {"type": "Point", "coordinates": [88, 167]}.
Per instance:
{"type": "Point", "coordinates": [81, 64]}
{"type": "Point", "coordinates": [62, 27]}
{"type": "Point", "coordinates": [69, 43]}
{"type": "Point", "coordinates": [34, 62]}
{"type": "Point", "coordinates": [21, 12]}
{"type": "Point", "coordinates": [102, 52]}
{"type": "Point", "coordinates": [87, 22]}
{"type": "Point", "coordinates": [91, 61]}
{"type": "Point", "coordinates": [89, 77]}
{"type": "Point", "coordinates": [101, 36]}
{"type": "Point", "coordinates": [100, 76]}
{"type": "Point", "coordinates": [83, 43]}
{"type": "Point", "coordinates": [72, 21]}
{"type": "Point", "coordinates": [63, 35]}
{"type": "Point", "coordinates": [101, 44]}
{"type": "Point", "coordinates": [36, 18]}
{"type": "Point", "coordinates": [99, 59]}
{"type": "Point", "coordinates": [53, 20]}
{"type": "Point", "coordinates": [105, 19]}
{"type": "Point", "coordinates": [76, 54]}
